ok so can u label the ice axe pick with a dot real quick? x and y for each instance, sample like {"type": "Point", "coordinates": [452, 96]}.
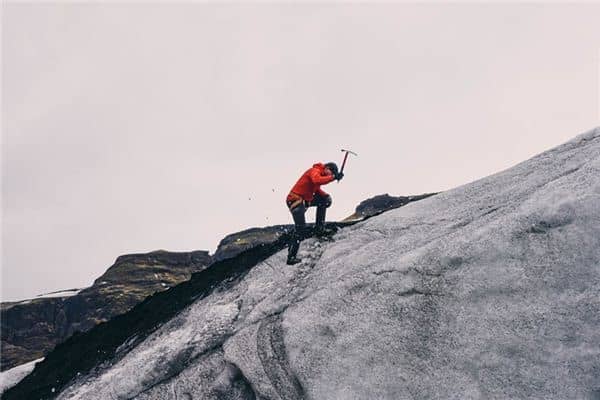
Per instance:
{"type": "Point", "coordinates": [346, 157]}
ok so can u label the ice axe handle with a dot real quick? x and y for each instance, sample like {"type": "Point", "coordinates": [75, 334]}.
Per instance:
{"type": "Point", "coordinates": [344, 162]}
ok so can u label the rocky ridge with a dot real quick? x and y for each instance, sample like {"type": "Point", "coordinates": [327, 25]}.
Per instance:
{"type": "Point", "coordinates": [234, 244]}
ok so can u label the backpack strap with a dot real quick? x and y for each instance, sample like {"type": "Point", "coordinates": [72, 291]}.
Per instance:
{"type": "Point", "coordinates": [294, 200]}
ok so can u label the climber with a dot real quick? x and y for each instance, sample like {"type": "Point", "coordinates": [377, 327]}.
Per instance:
{"type": "Point", "coordinates": [306, 193]}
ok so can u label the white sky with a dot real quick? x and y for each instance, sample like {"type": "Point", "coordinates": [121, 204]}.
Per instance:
{"type": "Point", "coordinates": [130, 128]}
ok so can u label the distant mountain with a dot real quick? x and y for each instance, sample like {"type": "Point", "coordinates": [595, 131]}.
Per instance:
{"type": "Point", "coordinates": [31, 328]}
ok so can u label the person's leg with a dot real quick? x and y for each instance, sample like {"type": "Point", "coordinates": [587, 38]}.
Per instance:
{"type": "Point", "coordinates": [322, 203]}
{"type": "Point", "coordinates": [298, 233]}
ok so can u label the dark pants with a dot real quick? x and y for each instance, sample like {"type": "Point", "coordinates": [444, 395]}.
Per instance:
{"type": "Point", "coordinates": [300, 231]}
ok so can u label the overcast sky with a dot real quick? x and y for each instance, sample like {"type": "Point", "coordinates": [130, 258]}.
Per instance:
{"type": "Point", "coordinates": [131, 128]}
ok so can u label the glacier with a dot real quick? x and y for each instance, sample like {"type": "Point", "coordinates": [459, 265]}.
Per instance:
{"type": "Point", "coordinates": [487, 291]}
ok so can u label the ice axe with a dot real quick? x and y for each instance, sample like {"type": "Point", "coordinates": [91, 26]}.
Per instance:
{"type": "Point", "coordinates": [345, 158]}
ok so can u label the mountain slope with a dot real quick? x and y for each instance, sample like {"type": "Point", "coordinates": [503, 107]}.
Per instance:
{"type": "Point", "coordinates": [32, 327]}
{"type": "Point", "coordinates": [490, 290]}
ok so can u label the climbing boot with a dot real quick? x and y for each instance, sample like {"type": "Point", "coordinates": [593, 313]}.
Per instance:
{"type": "Point", "coordinates": [323, 232]}
{"type": "Point", "coordinates": [291, 260]}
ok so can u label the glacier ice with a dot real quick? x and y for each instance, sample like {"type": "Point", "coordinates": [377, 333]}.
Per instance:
{"type": "Point", "coordinates": [489, 290]}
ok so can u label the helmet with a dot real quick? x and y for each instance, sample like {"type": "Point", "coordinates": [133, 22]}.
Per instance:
{"type": "Point", "coordinates": [333, 167]}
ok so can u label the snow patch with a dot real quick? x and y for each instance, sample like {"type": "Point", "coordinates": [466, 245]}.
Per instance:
{"type": "Point", "coordinates": [57, 294]}
{"type": "Point", "coordinates": [11, 377]}
{"type": "Point", "coordinates": [60, 293]}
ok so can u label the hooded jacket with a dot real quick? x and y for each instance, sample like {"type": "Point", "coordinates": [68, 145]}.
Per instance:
{"type": "Point", "coordinates": [310, 182]}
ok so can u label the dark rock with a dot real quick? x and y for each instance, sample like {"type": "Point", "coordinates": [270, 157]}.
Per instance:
{"type": "Point", "coordinates": [381, 203]}
{"type": "Point", "coordinates": [234, 244]}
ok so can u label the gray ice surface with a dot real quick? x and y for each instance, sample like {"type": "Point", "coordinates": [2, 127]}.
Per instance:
{"type": "Point", "coordinates": [487, 291]}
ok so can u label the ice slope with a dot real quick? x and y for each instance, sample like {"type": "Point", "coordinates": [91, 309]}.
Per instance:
{"type": "Point", "coordinates": [490, 290]}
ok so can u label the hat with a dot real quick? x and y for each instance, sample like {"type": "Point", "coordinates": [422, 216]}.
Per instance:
{"type": "Point", "coordinates": [332, 166]}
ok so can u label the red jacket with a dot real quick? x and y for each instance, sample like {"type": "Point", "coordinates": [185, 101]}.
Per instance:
{"type": "Point", "coordinates": [310, 182]}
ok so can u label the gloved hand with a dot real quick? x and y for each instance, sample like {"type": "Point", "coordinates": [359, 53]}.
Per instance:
{"type": "Point", "coordinates": [339, 176]}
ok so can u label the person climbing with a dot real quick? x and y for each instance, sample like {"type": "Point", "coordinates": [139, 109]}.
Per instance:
{"type": "Point", "coordinates": [307, 193]}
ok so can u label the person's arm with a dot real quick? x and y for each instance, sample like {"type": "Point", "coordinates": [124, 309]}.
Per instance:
{"type": "Point", "coordinates": [317, 178]}
{"type": "Point", "coordinates": [321, 193]}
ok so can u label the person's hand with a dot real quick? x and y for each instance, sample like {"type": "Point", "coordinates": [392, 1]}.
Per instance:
{"type": "Point", "coordinates": [339, 176]}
